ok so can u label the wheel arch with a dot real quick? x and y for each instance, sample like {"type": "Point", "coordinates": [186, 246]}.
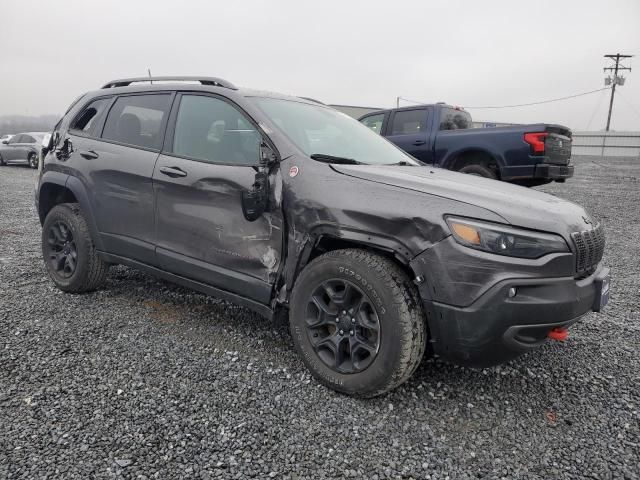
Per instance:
{"type": "Point", "coordinates": [56, 188]}
{"type": "Point", "coordinates": [473, 155]}
{"type": "Point", "coordinates": [328, 239]}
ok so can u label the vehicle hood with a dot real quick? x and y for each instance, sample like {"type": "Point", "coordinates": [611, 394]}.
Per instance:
{"type": "Point", "coordinates": [518, 206]}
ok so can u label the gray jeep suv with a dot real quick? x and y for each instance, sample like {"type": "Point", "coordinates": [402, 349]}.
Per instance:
{"type": "Point", "coordinates": [282, 204]}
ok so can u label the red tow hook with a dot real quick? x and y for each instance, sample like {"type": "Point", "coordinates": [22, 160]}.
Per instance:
{"type": "Point", "coordinates": [558, 333]}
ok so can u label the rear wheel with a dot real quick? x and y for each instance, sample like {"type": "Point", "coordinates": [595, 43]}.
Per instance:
{"type": "Point", "coordinates": [33, 160]}
{"type": "Point", "coordinates": [2, 162]}
{"type": "Point", "coordinates": [479, 170]}
{"type": "Point", "coordinates": [357, 322]}
{"type": "Point", "coordinates": [68, 251]}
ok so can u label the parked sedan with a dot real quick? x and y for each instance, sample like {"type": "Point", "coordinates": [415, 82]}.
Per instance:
{"type": "Point", "coordinates": [22, 148]}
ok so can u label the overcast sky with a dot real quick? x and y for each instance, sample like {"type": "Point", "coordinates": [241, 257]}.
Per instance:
{"type": "Point", "coordinates": [467, 53]}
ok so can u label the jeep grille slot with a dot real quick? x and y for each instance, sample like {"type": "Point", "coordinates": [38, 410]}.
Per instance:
{"type": "Point", "coordinates": [589, 248]}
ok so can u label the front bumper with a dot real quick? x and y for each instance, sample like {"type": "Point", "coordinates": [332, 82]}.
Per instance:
{"type": "Point", "coordinates": [553, 172]}
{"type": "Point", "coordinates": [473, 320]}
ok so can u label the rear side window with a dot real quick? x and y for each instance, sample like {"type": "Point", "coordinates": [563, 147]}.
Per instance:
{"type": "Point", "coordinates": [374, 122]}
{"type": "Point", "coordinates": [454, 119]}
{"type": "Point", "coordinates": [212, 130]}
{"type": "Point", "coordinates": [27, 139]}
{"type": "Point", "coordinates": [88, 119]}
{"type": "Point", "coordinates": [409, 121]}
{"type": "Point", "coordinates": [137, 120]}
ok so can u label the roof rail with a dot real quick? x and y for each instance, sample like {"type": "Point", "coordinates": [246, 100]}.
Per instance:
{"type": "Point", "coordinates": [212, 81]}
{"type": "Point", "coordinates": [312, 100]}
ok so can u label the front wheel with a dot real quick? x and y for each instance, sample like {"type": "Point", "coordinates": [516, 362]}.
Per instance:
{"type": "Point", "coordinates": [357, 322]}
{"type": "Point", "coordinates": [33, 160]}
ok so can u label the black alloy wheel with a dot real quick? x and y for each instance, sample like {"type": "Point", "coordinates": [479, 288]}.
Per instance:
{"type": "Point", "coordinates": [62, 253]}
{"type": "Point", "coordinates": [343, 326]}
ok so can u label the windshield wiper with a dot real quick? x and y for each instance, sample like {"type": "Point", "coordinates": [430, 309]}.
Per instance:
{"type": "Point", "coordinates": [321, 157]}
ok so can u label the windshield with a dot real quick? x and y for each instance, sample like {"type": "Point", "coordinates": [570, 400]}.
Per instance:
{"type": "Point", "coordinates": [323, 131]}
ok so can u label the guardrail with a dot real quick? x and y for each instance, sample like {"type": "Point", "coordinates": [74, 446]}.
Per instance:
{"type": "Point", "coordinates": [614, 144]}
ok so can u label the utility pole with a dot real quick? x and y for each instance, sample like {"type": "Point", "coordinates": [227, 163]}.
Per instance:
{"type": "Point", "coordinates": [616, 80]}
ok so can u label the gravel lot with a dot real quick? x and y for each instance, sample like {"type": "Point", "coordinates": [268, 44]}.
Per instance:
{"type": "Point", "coordinates": [144, 379]}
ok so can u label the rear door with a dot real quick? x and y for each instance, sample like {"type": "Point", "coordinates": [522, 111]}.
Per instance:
{"type": "Point", "coordinates": [408, 129]}
{"type": "Point", "coordinates": [210, 153]}
{"type": "Point", "coordinates": [115, 160]}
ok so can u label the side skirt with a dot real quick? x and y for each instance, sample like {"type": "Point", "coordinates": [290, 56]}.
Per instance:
{"type": "Point", "coordinates": [259, 308]}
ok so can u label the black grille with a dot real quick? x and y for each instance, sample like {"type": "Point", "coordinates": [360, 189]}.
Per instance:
{"type": "Point", "coordinates": [589, 248]}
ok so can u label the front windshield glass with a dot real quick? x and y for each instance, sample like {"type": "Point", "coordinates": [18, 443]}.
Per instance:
{"type": "Point", "coordinates": [316, 129]}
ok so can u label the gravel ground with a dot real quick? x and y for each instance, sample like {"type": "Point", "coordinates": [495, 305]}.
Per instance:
{"type": "Point", "coordinates": [143, 379]}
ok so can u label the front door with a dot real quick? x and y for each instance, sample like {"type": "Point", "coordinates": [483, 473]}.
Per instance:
{"type": "Point", "coordinates": [210, 154]}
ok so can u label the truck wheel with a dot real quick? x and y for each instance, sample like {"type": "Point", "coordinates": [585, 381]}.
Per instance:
{"type": "Point", "coordinates": [357, 322]}
{"type": "Point", "coordinates": [68, 251]}
{"type": "Point", "coordinates": [479, 170]}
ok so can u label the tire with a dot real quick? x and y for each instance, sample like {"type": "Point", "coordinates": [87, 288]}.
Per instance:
{"type": "Point", "coordinates": [479, 170]}
{"type": "Point", "coordinates": [388, 300]}
{"type": "Point", "coordinates": [2, 162]}
{"type": "Point", "coordinates": [68, 251]}
{"type": "Point", "coordinates": [32, 159]}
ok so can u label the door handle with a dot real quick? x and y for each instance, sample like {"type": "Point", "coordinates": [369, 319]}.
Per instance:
{"type": "Point", "coordinates": [89, 155]}
{"type": "Point", "coordinates": [173, 172]}
{"type": "Point", "coordinates": [417, 143]}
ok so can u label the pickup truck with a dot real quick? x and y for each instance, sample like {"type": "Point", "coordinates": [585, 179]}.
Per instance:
{"type": "Point", "coordinates": [444, 136]}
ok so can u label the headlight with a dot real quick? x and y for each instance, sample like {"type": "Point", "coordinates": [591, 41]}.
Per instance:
{"type": "Point", "coordinates": [504, 240]}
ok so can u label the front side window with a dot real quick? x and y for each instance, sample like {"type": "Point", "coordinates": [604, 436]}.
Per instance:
{"type": "Point", "coordinates": [137, 120]}
{"type": "Point", "coordinates": [374, 122]}
{"type": "Point", "coordinates": [213, 130]}
{"type": "Point", "coordinates": [406, 122]}
{"type": "Point", "coordinates": [16, 139]}
{"type": "Point", "coordinates": [88, 119]}
{"type": "Point", "coordinates": [316, 129]}
{"type": "Point", "coordinates": [454, 119]}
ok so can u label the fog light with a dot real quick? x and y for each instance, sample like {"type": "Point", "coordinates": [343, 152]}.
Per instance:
{"type": "Point", "coordinates": [512, 292]}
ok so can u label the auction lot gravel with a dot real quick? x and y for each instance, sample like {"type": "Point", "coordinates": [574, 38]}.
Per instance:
{"type": "Point", "coordinates": [143, 379]}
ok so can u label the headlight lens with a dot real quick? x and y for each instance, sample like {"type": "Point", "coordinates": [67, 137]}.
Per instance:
{"type": "Point", "coordinates": [504, 240]}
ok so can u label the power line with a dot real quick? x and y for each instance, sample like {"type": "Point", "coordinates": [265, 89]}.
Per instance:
{"type": "Point", "coordinates": [629, 104]}
{"type": "Point", "coordinates": [595, 110]}
{"type": "Point", "coordinates": [522, 104]}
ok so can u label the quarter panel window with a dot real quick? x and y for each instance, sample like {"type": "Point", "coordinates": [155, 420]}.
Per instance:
{"type": "Point", "coordinates": [86, 122]}
{"type": "Point", "coordinates": [409, 121]}
{"type": "Point", "coordinates": [212, 130]}
{"type": "Point", "coordinates": [374, 122]}
{"type": "Point", "coordinates": [137, 120]}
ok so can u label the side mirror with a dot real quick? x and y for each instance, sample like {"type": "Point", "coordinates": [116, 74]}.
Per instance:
{"type": "Point", "coordinates": [64, 152]}
{"type": "Point", "coordinates": [5, 142]}
{"type": "Point", "coordinates": [267, 155]}
{"type": "Point", "coordinates": [256, 201]}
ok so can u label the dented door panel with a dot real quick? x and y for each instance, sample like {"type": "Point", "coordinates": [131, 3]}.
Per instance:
{"type": "Point", "coordinates": [200, 225]}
